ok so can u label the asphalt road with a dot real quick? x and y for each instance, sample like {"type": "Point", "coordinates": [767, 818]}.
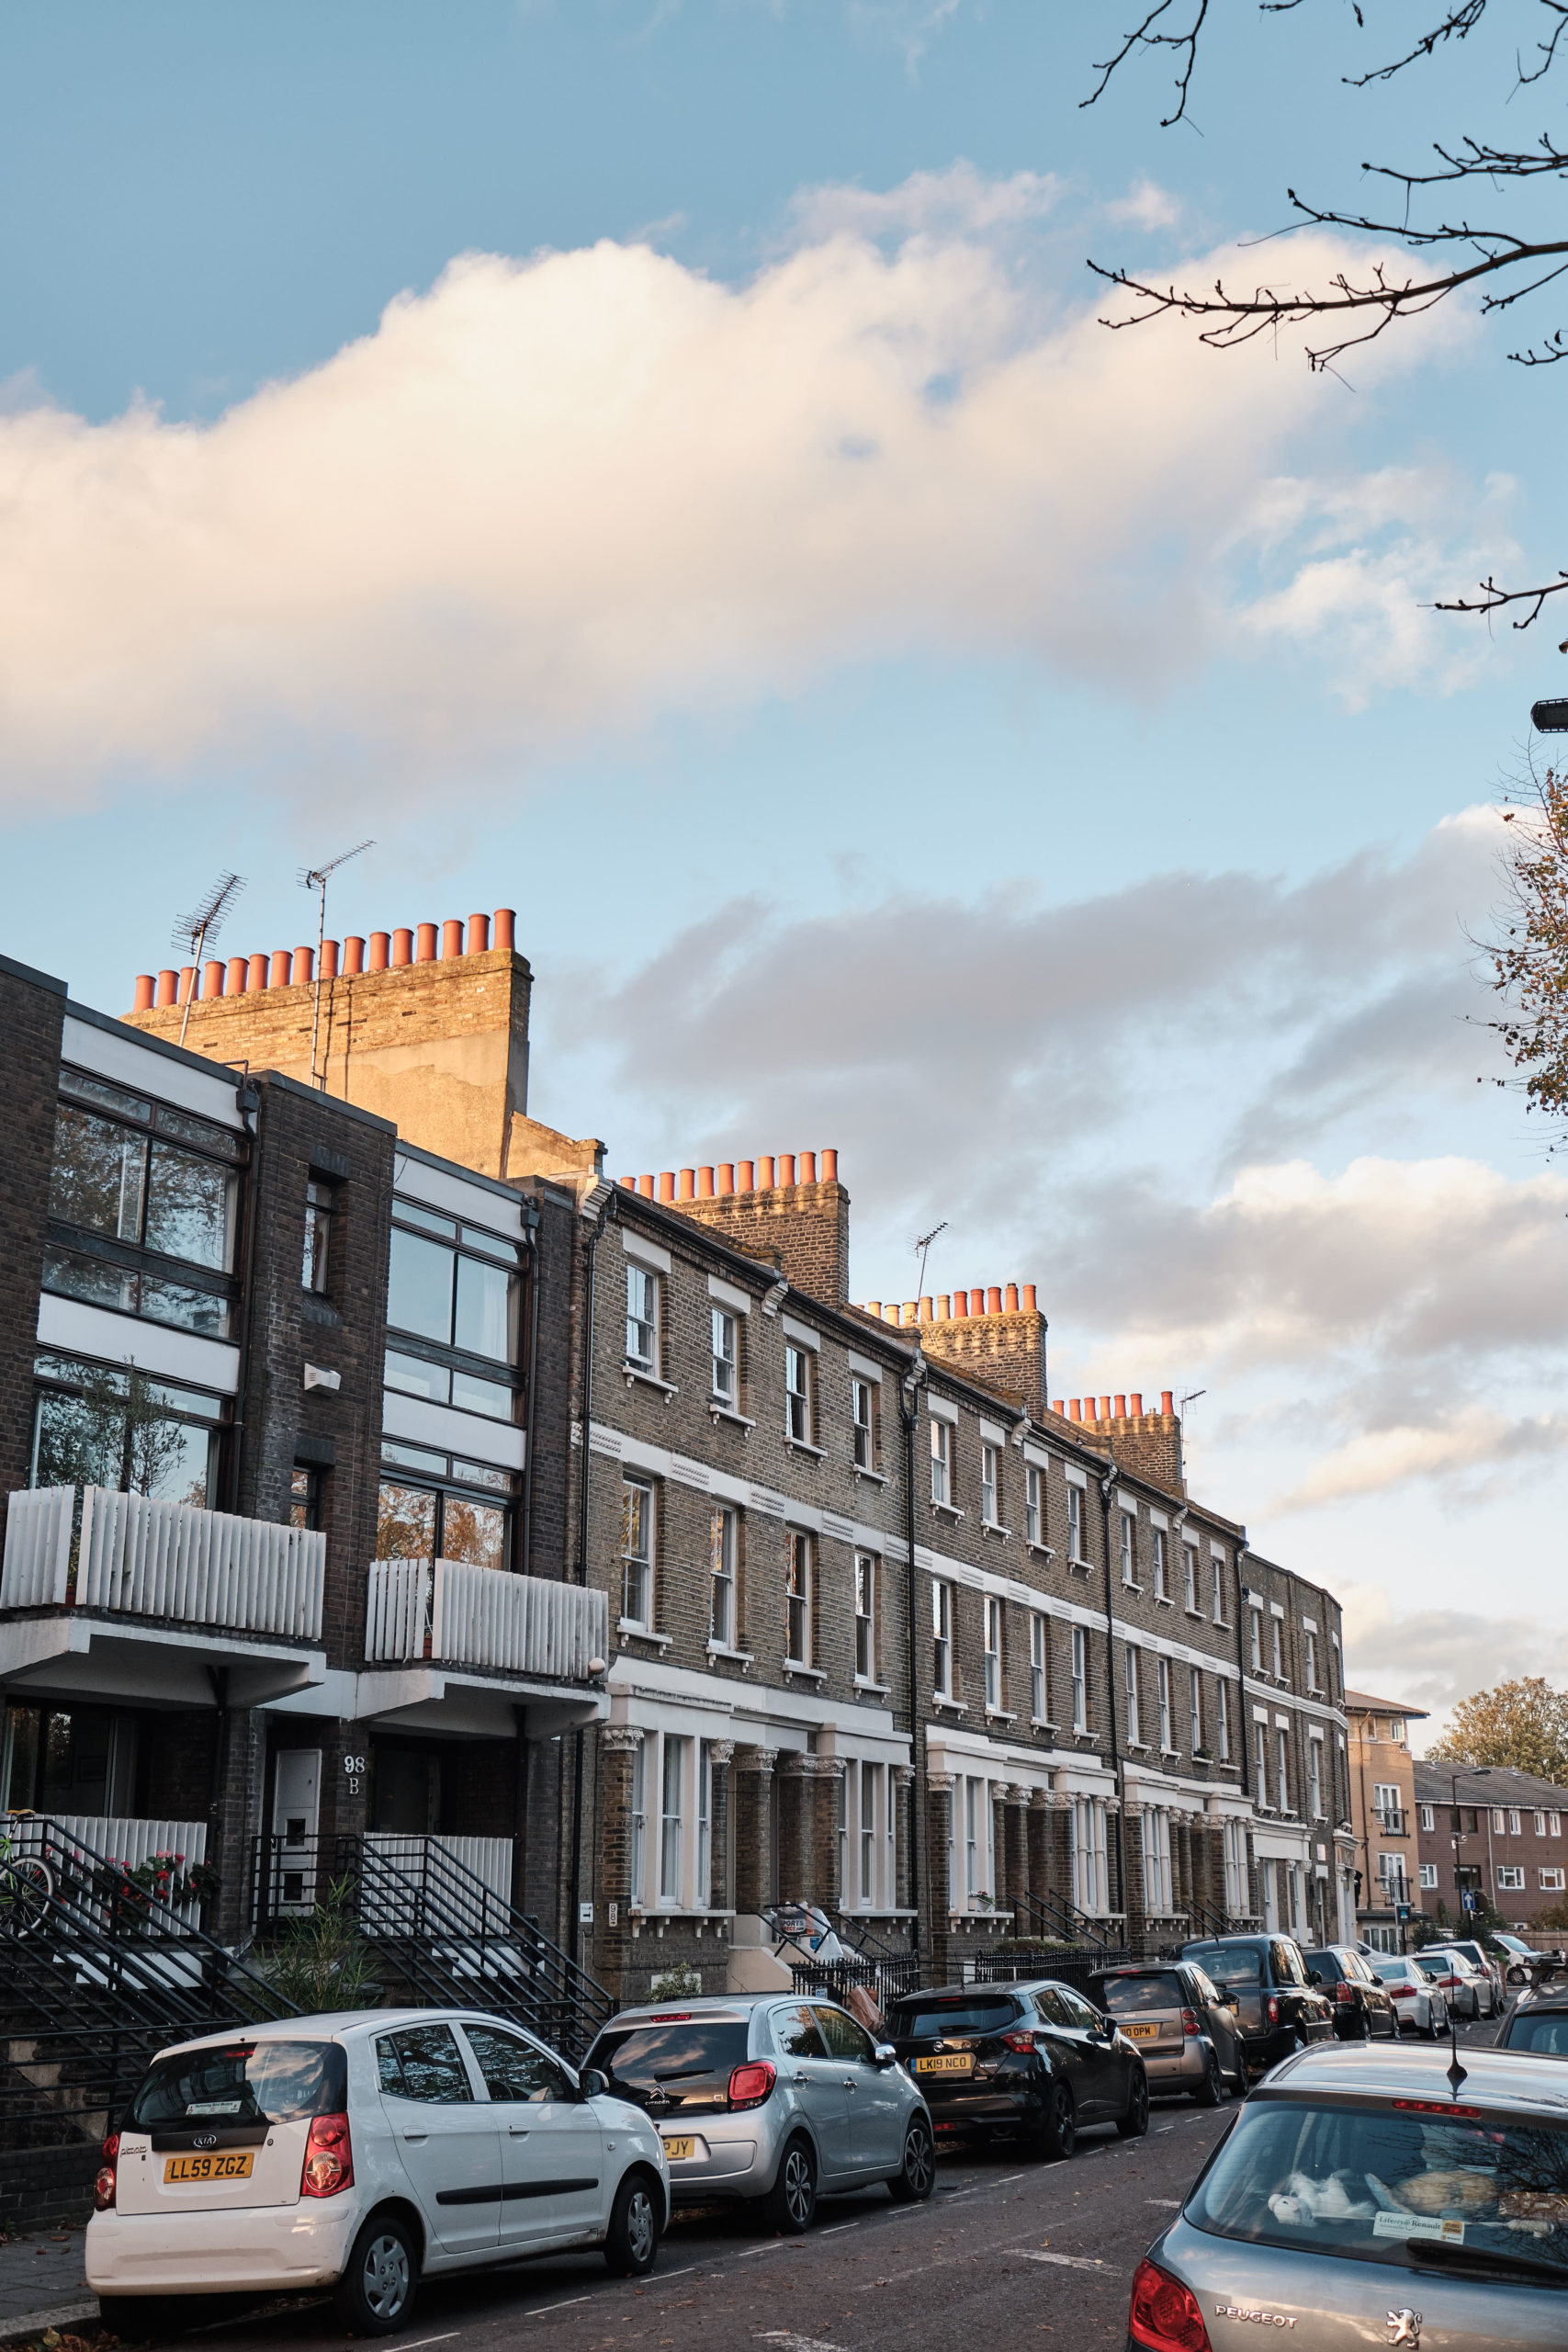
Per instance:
{"type": "Point", "coordinates": [1006, 2253]}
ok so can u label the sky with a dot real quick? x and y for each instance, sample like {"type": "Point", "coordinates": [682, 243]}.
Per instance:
{"type": "Point", "coordinates": [661, 466]}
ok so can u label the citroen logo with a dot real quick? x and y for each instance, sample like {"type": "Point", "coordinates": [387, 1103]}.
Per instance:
{"type": "Point", "coordinates": [1405, 2327]}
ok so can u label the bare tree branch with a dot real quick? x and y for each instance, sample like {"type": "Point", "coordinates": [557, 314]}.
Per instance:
{"type": "Point", "coordinates": [1143, 38]}
{"type": "Point", "coordinates": [1492, 599]}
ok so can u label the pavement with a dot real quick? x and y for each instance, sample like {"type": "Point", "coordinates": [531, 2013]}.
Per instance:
{"type": "Point", "coordinates": [1007, 2250]}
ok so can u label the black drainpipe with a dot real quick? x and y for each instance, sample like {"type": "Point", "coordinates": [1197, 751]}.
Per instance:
{"type": "Point", "coordinates": [247, 1102]}
{"type": "Point", "coordinates": [529, 1415]}
{"type": "Point", "coordinates": [1241, 1661]}
{"type": "Point", "coordinates": [910, 1414]}
{"type": "Point", "coordinates": [1106, 1484]}
{"type": "Point", "coordinates": [575, 1923]}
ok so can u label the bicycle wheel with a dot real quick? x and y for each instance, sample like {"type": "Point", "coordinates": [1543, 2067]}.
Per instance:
{"type": "Point", "coordinates": [30, 1892]}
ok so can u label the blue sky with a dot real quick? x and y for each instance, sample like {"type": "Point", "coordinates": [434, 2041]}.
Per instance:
{"type": "Point", "coordinates": [903, 714]}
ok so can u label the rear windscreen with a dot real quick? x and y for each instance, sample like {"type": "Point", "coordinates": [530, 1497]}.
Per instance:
{"type": "Point", "coordinates": [1456, 2190]}
{"type": "Point", "coordinates": [1242, 1966]}
{"type": "Point", "coordinates": [688, 2063]}
{"type": "Point", "coordinates": [1548, 2033]}
{"type": "Point", "coordinates": [266, 2082]}
{"type": "Point", "coordinates": [1131, 1997]}
{"type": "Point", "coordinates": [921, 2019]}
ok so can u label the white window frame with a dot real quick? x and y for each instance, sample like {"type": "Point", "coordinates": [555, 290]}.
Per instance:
{"type": "Point", "coordinates": [990, 1483]}
{"type": "Point", "coordinates": [638, 1565]}
{"type": "Point", "coordinates": [1130, 1678]}
{"type": "Point", "coordinates": [638, 1857]}
{"type": "Point", "coordinates": [941, 1464]}
{"type": "Point", "coordinates": [799, 1379]}
{"type": "Point", "coordinates": [644, 1302]}
{"type": "Point", "coordinates": [671, 1823]}
{"type": "Point", "coordinates": [1309, 1640]}
{"type": "Point", "coordinates": [863, 1396]}
{"type": "Point", "coordinates": [1277, 1652]}
{"type": "Point", "coordinates": [1127, 1547]}
{"type": "Point", "coordinates": [941, 1637]}
{"type": "Point", "coordinates": [1260, 1759]}
{"type": "Point", "coordinates": [1217, 1568]}
{"type": "Point", "coordinates": [1221, 1720]}
{"type": "Point", "coordinates": [800, 1578]}
{"type": "Point", "coordinates": [1157, 1562]}
{"type": "Point", "coordinates": [1554, 1821]}
{"type": "Point", "coordinates": [723, 1531]}
{"type": "Point", "coordinates": [1282, 1765]}
{"type": "Point", "coordinates": [991, 1630]}
{"type": "Point", "coordinates": [702, 1891]}
{"type": "Point", "coordinates": [1162, 1685]}
{"type": "Point", "coordinates": [1080, 1679]}
{"type": "Point", "coordinates": [1195, 1707]}
{"type": "Point", "coordinates": [1541, 1823]}
{"type": "Point", "coordinates": [866, 1564]}
{"type": "Point", "coordinates": [726, 1359]}
{"type": "Point", "coordinates": [1314, 1778]}
{"type": "Point", "coordinates": [1428, 1817]}
{"type": "Point", "coordinates": [1076, 1553]}
{"type": "Point", "coordinates": [1552, 1880]}
{"type": "Point", "coordinates": [1255, 1637]}
{"type": "Point", "coordinates": [1510, 1878]}
{"type": "Point", "coordinates": [1039, 1683]}
{"type": "Point", "coordinates": [1033, 1503]}
{"type": "Point", "coordinates": [1514, 1829]}
{"type": "Point", "coordinates": [1426, 1877]}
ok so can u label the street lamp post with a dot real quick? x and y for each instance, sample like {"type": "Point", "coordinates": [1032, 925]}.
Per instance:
{"type": "Point", "coordinates": [1477, 1772]}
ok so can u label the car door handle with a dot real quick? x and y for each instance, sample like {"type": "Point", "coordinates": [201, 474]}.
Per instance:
{"type": "Point", "coordinates": [803, 2079]}
{"type": "Point", "coordinates": [416, 2136]}
{"type": "Point", "coordinates": [850, 2083]}
{"type": "Point", "coordinates": [517, 2131]}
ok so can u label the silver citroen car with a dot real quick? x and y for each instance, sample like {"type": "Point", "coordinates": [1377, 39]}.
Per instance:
{"type": "Point", "coordinates": [767, 2099]}
{"type": "Point", "coordinates": [1372, 2195]}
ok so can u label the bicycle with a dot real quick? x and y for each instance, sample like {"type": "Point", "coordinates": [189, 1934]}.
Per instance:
{"type": "Point", "coordinates": [26, 1889]}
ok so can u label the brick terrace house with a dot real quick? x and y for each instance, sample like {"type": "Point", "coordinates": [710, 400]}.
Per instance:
{"type": "Point", "coordinates": [887, 1630]}
{"type": "Point", "coordinates": [1504, 1837]}
{"type": "Point", "coordinates": [1383, 1800]}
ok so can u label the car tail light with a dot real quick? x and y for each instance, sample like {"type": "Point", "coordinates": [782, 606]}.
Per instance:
{"type": "Point", "coordinates": [750, 2085]}
{"type": "Point", "coordinates": [1164, 2315]}
{"type": "Point", "coordinates": [1344, 1990]}
{"type": "Point", "coordinates": [1021, 2041]}
{"type": "Point", "coordinates": [329, 2157]}
{"type": "Point", "coordinates": [103, 2188]}
{"type": "Point", "coordinates": [1190, 2022]}
{"type": "Point", "coordinates": [1401, 1992]}
{"type": "Point", "coordinates": [1273, 2011]}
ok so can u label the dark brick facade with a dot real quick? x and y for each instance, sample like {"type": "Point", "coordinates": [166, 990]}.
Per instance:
{"type": "Point", "coordinates": [32, 1011]}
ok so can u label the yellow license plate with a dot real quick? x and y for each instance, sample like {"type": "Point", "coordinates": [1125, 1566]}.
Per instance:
{"type": "Point", "coordinates": [186, 2168]}
{"type": "Point", "coordinates": [1141, 2032]}
{"type": "Point", "coordinates": [954, 2065]}
{"type": "Point", "coordinates": [679, 2151]}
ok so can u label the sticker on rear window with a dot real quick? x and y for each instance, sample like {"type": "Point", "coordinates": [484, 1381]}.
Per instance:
{"type": "Point", "coordinates": [1418, 2225]}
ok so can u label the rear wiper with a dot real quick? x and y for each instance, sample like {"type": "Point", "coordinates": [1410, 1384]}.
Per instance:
{"type": "Point", "coordinates": [683, 2074]}
{"type": "Point", "coordinates": [1550, 2274]}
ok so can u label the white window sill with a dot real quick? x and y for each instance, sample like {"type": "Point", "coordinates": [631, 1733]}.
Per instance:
{"type": "Point", "coordinates": [1081, 1568]}
{"type": "Point", "coordinates": [722, 1649]}
{"type": "Point", "coordinates": [876, 1689]}
{"type": "Point", "coordinates": [807, 1673]}
{"type": "Point", "coordinates": [1038, 1723]}
{"type": "Point", "coordinates": [628, 1629]}
{"type": "Point", "coordinates": [1163, 1601]}
{"type": "Point", "coordinates": [634, 1372]}
{"type": "Point", "coordinates": [948, 1510]}
{"type": "Point", "coordinates": [800, 1445]}
{"type": "Point", "coordinates": [995, 1527]}
{"type": "Point", "coordinates": [1137, 1748]}
{"type": "Point", "coordinates": [719, 1411]}
{"type": "Point", "coordinates": [1195, 1613]}
{"type": "Point", "coordinates": [950, 1706]}
{"type": "Point", "coordinates": [1227, 1768]}
{"type": "Point", "coordinates": [1128, 1585]}
{"type": "Point", "coordinates": [876, 1477]}
{"type": "Point", "coordinates": [1044, 1550]}
{"type": "Point", "coordinates": [1000, 1716]}
{"type": "Point", "coordinates": [1083, 1735]}
{"type": "Point", "coordinates": [1171, 1755]}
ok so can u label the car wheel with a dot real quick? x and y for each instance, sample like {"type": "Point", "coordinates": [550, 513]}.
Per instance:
{"type": "Point", "coordinates": [379, 2277]}
{"type": "Point", "coordinates": [792, 2200]}
{"type": "Point", "coordinates": [1366, 2022]}
{"type": "Point", "coordinates": [1239, 2080]}
{"type": "Point", "coordinates": [1136, 2122]}
{"type": "Point", "coordinates": [136, 2319]}
{"type": "Point", "coordinates": [1058, 2135]}
{"type": "Point", "coordinates": [1210, 2090]}
{"type": "Point", "coordinates": [914, 2182]}
{"type": "Point", "coordinates": [631, 2241]}
{"type": "Point", "coordinates": [1429, 2031]}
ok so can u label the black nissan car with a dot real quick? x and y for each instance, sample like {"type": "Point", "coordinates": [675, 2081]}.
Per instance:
{"type": "Point", "coordinates": [1033, 2061]}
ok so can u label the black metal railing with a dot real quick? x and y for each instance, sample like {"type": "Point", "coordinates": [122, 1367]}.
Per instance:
{"type": "Point", "coordinates": [1074, 1965]}
{"type": "Point", "coordinates": [436, 1930]}
{"type": "Point", "coordinates": [97, 1972]}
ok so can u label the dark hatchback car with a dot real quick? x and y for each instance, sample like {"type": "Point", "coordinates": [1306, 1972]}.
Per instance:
{"type": "Point", "coordinates": [1032, 2062]}
{"type": "Point", "coordinates": [1363, 2008]}
{"type": "Point", "coordinates": [1278, 2007]}
{"type": "Point", "coordinates": [1539, 2018]}
{"type": "Point", "coordinates": [1184, 2026]}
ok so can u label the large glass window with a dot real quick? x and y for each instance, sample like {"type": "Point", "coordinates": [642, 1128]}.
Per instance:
{"type": "Point", "coordinates": [865, 1616]}
{"type": "Point", "coordinates": [867, 1399]}
{"type": "Point", "coordinates": [799, 1597]}
{"type": "Point", "coordinates": [726, 1383]}
{"type": "Point", "coordinates": [642, 1317]}
{"type": "Point", "coordinates": [942, 1638]}
{"type": "Point", "coordinates": [797, 1396]}
{"type": "Point", "coordinates": [130, 1176]}
{"type": "Point", "coordinates": [1038, 1692]}
{"type": "Point", "coordinates": [942, 1462]}
{"type": "Point", "coordinates": [318, 1235]}
{"type": "Point", "coordinates": [636, 1551]}
{"type": "Point", "coordinates": [671, 1822]}
{"type": "Point", "coordinates": [723, 1620]}
{"type": "Point", "coordinates": [457, 1286]}
{"type": "Point", "coordinates": [433, 1506]}
{"type": "Point", "coordinates": [107, 1425]}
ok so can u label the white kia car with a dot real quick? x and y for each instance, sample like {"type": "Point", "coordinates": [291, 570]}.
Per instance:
{"type": "Point", "coordinates": [362, 2151]}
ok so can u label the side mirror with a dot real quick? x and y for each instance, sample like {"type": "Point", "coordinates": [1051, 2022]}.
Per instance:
{"type": "Point", "coordinates": [884, 2054]}
{"type": "Point", "coordinates": [591, 2084]}
{"type": "Point", "coordinates": [1314, 1977]}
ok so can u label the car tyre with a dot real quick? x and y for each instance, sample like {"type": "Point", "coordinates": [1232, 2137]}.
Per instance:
{"type": "Point", "coordinates": [790, 2203]}
{"type": "Point", "coordinates": [914, 2181]}
{"type": "Point", "coordinates": [1136, 2122]}
{"type": "Point", "coordinates": [1211, 2089]}
{"type": "Point", "coordinates": [631, 2241]}
{"type": "Point", "coordinates": [1058, 2135]}
{"type": "Point", "coordinates": [377, 2290]}
{"type": "Point", "coordinates": [136, 2319]}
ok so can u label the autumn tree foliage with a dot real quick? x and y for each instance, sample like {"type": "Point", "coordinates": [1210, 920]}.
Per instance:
{"type": "Point", "coordinates": [1522, 1724]}
{"type": "Point", "coordinates": [1528, 951]}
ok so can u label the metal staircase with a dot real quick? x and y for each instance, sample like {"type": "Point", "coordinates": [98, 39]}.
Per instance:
{"type": "Point", "coordinates": [94, 1978]}
{"type": "Point", "coordinates": [441, 1937]}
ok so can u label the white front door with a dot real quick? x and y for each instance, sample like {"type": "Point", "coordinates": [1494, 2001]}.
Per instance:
{"type": "Point", "coordinates": [296, 1813]}
{"type": "Point", "coordinates": [552, 2154]}
{"type": "Point", "coordinates": [446, 2137]}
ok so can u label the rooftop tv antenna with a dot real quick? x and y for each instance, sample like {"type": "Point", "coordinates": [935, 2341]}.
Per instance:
{"type": "Point", "coordinates": [314, 877]}
{"type": "Point", "coordinates": [200, 928]}
{"type": "Point", "coordinates": [922, 1242]}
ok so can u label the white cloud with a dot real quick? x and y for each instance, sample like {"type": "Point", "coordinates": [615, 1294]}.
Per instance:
{"type": "Point", "coordinates": [558, 497]}
{"type": "Point", "coordinates": [1146, 206]}
{"type": "Point", "coordinates": [959, 199]}
{"type": "Point", "coordinates": [1380, 1461]}
{"type": "Point", "coordinates": [1433, 1657]}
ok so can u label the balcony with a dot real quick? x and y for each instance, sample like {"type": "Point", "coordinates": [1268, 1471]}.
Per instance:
{"type": "Point", "coordinates": [118, 1596]}
{"type": "Point", "coordinates": [458, 1647]}
{"type": "Point", "coordinates": [1393, 1823]}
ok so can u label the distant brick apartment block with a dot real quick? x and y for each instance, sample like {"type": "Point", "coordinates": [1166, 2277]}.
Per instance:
{"type": "Point", "coordinates": [1493, 1830]}
{"type": "Point", "coordinates": [1382, 1804]}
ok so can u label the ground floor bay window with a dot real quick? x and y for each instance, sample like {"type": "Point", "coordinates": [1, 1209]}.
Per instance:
{"type": "Point", "coordinates": [1091, 1890]}
{"type": "Point", "coordinates": [670, 1833]}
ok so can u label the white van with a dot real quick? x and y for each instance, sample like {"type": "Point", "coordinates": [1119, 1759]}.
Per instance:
{"type": "Point", "coordinates": [362, 2151]}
